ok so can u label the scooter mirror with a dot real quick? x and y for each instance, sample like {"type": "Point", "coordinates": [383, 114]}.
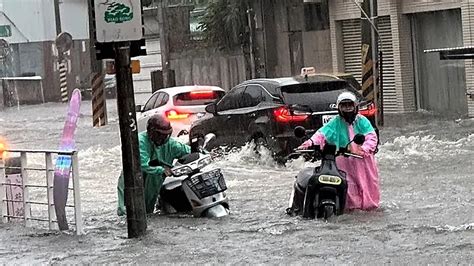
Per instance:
{"type": "Point", "coordinates": [207, 139]}
{"type": "Point", "coordinates": [299, 132]}
{"type": "Point", "coordinates": [359, 139]}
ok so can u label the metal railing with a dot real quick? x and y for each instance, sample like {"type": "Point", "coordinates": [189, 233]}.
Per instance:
{"type": "Point", "coordinates": [23, 169]}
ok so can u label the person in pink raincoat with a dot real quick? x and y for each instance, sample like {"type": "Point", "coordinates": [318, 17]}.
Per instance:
{"type": "Point", "coordinates": [363, 190]}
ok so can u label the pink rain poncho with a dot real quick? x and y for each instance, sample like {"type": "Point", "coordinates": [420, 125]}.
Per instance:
{"type": "Point", "coordinates": [363, 190]}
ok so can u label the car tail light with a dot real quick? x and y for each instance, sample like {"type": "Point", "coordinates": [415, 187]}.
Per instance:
{"type": "Point", "coordinates": [368, 109]}
{"type": "Point", "coordinates": [174, 115]}
{"type": "Point", "coordinates": [284, 115]}
{"type": "Point", "coordinates": [196, 95]}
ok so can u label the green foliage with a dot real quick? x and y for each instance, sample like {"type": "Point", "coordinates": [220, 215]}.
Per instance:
{"type": "Point", "coordinates": [224, 23]}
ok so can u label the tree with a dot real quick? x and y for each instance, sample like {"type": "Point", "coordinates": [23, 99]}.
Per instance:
{"type": "Point", "coordinates": [225, 23]}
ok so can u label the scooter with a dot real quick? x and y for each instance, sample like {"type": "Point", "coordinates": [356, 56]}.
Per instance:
{"type": "Point", "coordinates": [320, 191]}
{"type": "Point", "coordinates": [195, 186]}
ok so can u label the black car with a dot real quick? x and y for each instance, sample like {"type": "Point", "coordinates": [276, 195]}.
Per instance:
{"type": "Point", "coordinates": [267, 111]}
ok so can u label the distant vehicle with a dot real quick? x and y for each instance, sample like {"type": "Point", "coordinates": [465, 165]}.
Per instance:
{"type": "Point", "coordinates": [110, 88]}
{"type": "Point", "coordinates": [267, 111]}
{"type": "Point", "coordinates": [181, 105]}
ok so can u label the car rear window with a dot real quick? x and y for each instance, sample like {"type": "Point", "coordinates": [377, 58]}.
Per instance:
{"type": "Point", "coordinates": [317, 96]}
{"type": "Point", "coordinates": [197, 98]}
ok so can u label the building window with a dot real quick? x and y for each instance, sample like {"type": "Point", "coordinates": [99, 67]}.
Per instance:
{"type": "Point", "coordinates": [316, 15]}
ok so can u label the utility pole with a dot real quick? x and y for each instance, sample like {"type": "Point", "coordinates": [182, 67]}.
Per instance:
{"type": "Point", "coordinates": [134, 192]}
{"type": "Point", "coordinates": [164, 42]}
{"type": "Point", "coordinates": [251, 25]}
{"type": "Point", "coordinates": [370, 42]}
{"type": "Point", "coordinates": [119, 36]}
{"type": "Point", "coordinates": [57, 17]}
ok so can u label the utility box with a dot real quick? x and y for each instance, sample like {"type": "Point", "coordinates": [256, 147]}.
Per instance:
{"type": "Point", "coordinates": [22, 90]}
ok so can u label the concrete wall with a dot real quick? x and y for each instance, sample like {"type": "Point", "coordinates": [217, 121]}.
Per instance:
{"type": "Point", "coordinates": [317, 50]}
{"type": "Point", "coordinates": [18, 91]}
{"type": "Point", "coordinates": [278, 24]}
{"type": "Point", "coordinates": [208, 67]}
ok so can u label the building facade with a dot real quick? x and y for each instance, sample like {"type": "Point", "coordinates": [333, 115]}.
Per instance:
{"type": "Point", "coordinates": [31, 44]}
{"type": "Point", "coordinates": [31, 41]}
{"type": "Point", "coordinates": [412, 80]}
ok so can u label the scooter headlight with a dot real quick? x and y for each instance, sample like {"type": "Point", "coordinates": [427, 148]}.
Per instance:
{"type": "Point", "coordinates": [330, 180]}
{"type": "Point", "coordinates": [204, 161]}
{"type": "Point", "coordinates": [181, 171]}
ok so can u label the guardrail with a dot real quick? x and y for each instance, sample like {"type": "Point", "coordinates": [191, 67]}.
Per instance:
{"type": "Point", "coordinates": [23, 169]}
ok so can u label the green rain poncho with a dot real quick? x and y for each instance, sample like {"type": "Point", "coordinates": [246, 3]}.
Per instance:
{"type": "Point", "coordinates": [153, 176]}
{"type": "Point", "coordinates": [336, 132]}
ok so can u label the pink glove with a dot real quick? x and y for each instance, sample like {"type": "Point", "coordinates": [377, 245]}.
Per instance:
{"type": "Point", "coordinates": [357, 149]}
{"type": "Point", "coordinates": [316, 139]}
{"type": "Point", "coordinates": [306, 145]}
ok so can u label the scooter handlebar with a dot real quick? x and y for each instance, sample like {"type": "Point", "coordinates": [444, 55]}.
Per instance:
{"type": "Point", "coordinates": [352, 155]}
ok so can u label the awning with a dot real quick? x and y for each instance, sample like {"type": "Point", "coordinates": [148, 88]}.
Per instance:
{"type": "Point", "coordinates": [454, 53]}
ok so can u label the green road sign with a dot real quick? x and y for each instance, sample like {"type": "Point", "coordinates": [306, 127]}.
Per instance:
{"type": "Point", "coordinates": [118, 13]}
{"type": "Point", "coordinates": [118, 20]}
{"type": "Point", "coordinates": [5, 31]}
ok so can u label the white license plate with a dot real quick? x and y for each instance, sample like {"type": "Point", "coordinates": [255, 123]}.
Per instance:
{"type": "Point", "coordinates": [327, 118]}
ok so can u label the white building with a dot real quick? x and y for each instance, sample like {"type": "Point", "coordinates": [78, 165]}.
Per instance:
{"type": "Point", "coordinates": [33, 31]}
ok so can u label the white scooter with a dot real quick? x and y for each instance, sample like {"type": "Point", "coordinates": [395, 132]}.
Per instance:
{"type": "Point", "coordinates": [195, 186]}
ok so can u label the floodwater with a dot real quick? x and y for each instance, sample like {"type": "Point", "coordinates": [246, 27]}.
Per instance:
{"type": "Point", "coordinates": [427, 213]}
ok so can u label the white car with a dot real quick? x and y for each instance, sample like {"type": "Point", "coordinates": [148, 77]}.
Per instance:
{"type": "Point", "coordinates": [181, 105]}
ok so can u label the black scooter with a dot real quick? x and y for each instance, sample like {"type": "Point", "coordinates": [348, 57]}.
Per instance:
{"type": "Point", "coordinates": [320, 191]}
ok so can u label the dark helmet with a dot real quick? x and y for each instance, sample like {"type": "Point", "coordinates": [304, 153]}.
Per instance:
{"type": "Point", "coordinates": [159, 123]}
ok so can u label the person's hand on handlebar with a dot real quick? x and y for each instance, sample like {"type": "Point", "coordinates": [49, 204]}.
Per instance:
{"type": "Point", "coordinates": [168, 171]}
{"type": "Point", "coordinates": [306, 145]}
{"type": "Point", "coordinates": [356, 149]}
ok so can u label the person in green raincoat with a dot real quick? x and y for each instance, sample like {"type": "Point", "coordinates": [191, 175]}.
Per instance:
{"type": "Point", "coordinates": [155, 144]}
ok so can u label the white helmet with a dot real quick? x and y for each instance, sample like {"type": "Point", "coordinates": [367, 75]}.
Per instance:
{"type": "Point", "coordinates": [346, 96]}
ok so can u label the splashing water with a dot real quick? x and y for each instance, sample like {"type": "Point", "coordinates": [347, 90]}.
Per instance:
{"type": "Point", "coordinates": [426, 213]}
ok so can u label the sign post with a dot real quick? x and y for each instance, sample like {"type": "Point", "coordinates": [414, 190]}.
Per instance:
{"type": "Point", "coordinates": [119, 31]}
{"type": "Point", "coordinates": [63, 44]}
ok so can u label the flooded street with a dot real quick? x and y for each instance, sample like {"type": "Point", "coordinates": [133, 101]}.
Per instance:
{"type": "Point", "coordinates": [427, 214]}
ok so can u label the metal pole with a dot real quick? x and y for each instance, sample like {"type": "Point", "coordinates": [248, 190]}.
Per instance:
{"type": "Point", "coordinates": [77, 195]}
{"type": "Point", "coordinates": [57, 16]}
{"type": "Point", "coordinates": [49, 189]}
{"type": "Point", "coordinates": [369, 53]}
{"type": "Point", "coordinates": [26, 195]}
{"type": "Point", "coordinates": [251, 26]}
{"type": "Point", "coordinates": [3, 196]}
{"type": "Point", "coordinates": [164, 43]}
{"type": "Point", "coordinates": [380, 86]}
{"type": "Point", "coordinates": [374, 41]}
{"type": "Point", "coordinates": [134, 192]}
